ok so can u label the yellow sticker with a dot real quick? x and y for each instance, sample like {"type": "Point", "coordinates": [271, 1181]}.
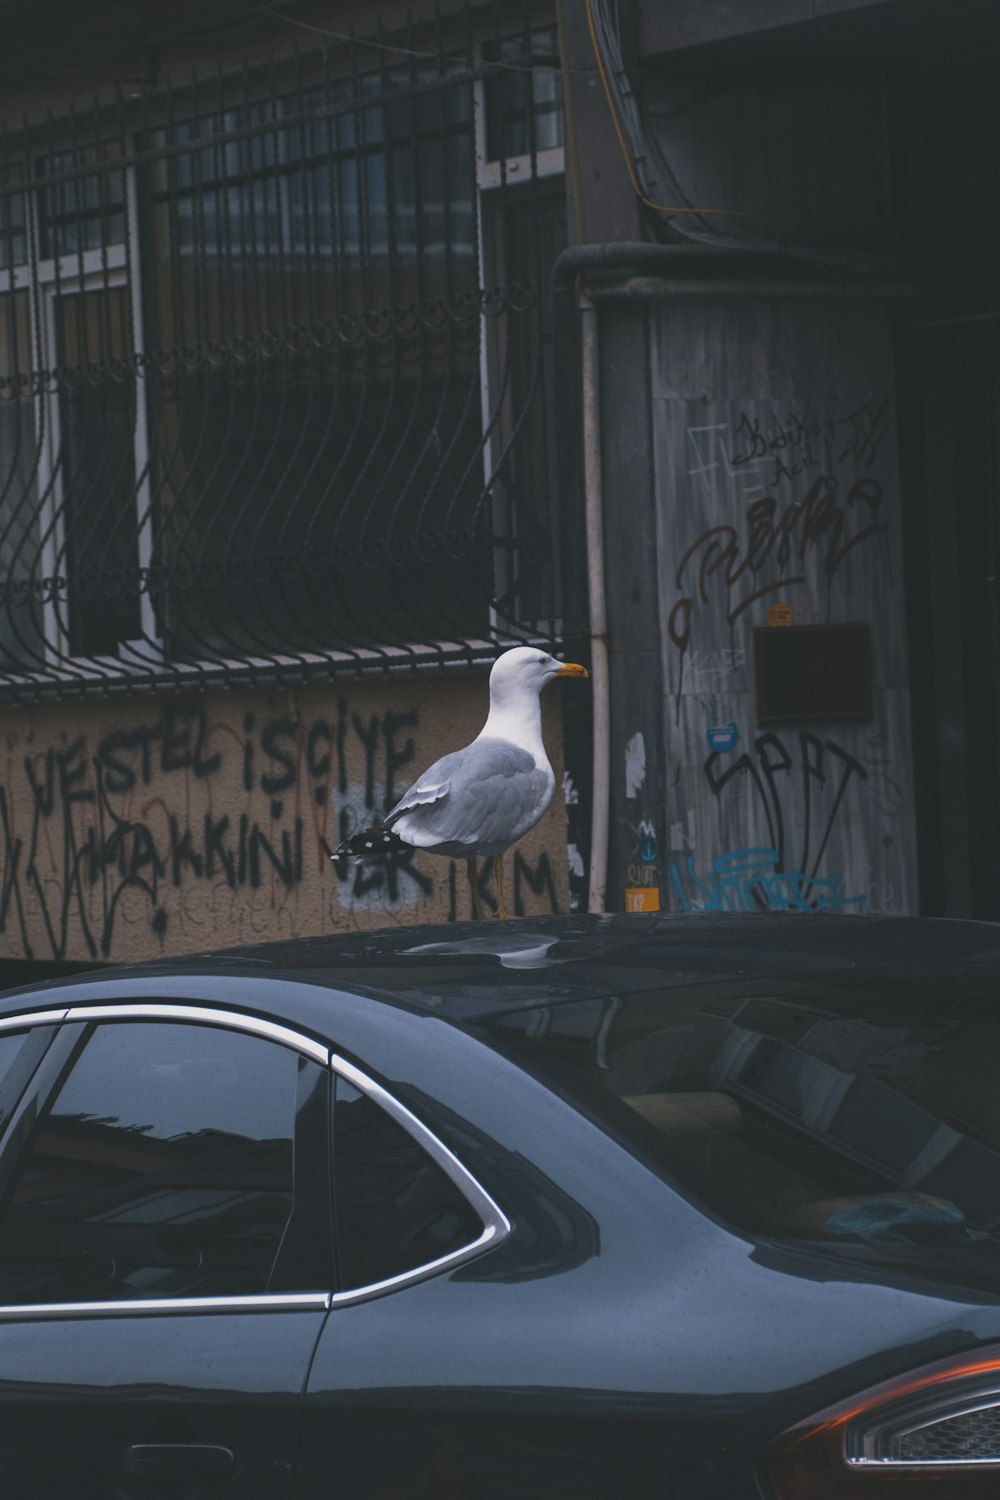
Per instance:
{"type": "Point", "coordinates": [779, 614]}
{"type": "Point", "coordinates": [642, 898]}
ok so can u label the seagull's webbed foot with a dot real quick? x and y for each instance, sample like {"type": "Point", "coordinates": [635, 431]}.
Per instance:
{"type": "Point", "coordinates": [477, 905]}
{"type": "Point", "coordinates": [502, 913]}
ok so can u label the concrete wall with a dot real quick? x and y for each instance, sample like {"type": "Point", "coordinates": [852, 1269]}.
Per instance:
{"type": "Point", "coordinates": [136, 828]}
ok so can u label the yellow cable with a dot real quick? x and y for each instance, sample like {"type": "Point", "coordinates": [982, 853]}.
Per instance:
{"type": "Point", "coordinates": [735, 213]}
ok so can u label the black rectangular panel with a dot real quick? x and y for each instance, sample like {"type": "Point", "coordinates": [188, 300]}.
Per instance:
{"type": "Point", "coordinates": [809, 672]}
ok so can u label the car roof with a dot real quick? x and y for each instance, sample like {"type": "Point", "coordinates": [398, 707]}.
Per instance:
{"type": "Point", "coordinates": [461, 971]}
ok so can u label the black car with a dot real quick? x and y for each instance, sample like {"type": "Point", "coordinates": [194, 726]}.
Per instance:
{"type": "Point", "coordinates": [638, 1208]}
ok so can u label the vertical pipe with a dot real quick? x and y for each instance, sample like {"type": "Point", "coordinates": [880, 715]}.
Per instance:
{"type": "Point", "coordinates": [601, 685]}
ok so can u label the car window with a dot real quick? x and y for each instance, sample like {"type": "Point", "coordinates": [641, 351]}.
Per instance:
{"type": "Point", "coordinates": [870, 1133]}
{"type": "Point", "coordinates": [162, 1166]}
{"type": "Point", "coordinates": [20, 1052]}
{"type": "Point", "coordinates": [11, 1043]}
{"type": "Point", "coordinates": [396, 1210]}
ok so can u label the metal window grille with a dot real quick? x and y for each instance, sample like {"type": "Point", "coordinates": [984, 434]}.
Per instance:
{"type": "Point", "coordinates": [274, 395]}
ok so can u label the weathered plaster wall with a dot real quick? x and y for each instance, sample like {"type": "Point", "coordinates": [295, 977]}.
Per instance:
{"type": "Point", "coordinates": [156, 826]}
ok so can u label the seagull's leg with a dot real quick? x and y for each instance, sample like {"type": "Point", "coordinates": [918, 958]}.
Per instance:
{"type": "Point", "coordinates": [502, 911]}
{"type": "Point", "coordinates": [477, 905]}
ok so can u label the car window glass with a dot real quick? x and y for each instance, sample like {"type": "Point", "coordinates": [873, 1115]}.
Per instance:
{"type": "Point", "coordinates": [12, 1048]}
{"type": "Point", "coordinates": [868, 1129]}
{"type": "Point", "coordinates": [20, 1054]}
{"type": "Point", "coordinates": [11, 1043]}
{"type": "Point", "coordinates": [162, 1166]}
{"type": "Point", "coordinates": [396, 1209]}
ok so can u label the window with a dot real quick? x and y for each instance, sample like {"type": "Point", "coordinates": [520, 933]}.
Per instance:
{"type": "Point", "coordinates": [13, 219]}
{"type": "Point", "coordinates": [162, 1166]}
{"type": "Point", "coordinates": [395, 1208]}
{"type": "Point", "coordinates": [523, 229]}
{"type": "Point", "coordinates": [83, 209]}
{"type": "Point", "coordinates": [98, 552]}
{"type": "Point", "coordinates": [20, 1054]}
{"type": "Point", "coordinates": [273, 381]}
{"type": "Point", "coordinates": [24, 593]}
{"type": "Point", "coordinates": [862, 1122]}
{"type": "Point", "coordinates": [524, 95]}
{"type": "Point", "coordinates": [317, 273]}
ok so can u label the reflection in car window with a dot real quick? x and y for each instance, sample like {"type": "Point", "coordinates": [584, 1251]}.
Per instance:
{"type": "Point", "coordinates": [163, 1166]}
{"type": "Point", "coordinates": [871, 1130]}
{"type": "Point", "coordinates": [396, 1209]}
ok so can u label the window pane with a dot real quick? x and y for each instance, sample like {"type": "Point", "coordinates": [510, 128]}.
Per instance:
{"type": "Point", "coordinates": [83, 208]}
{"type": "Point", "coordinates": [11, 1043]}
{"type": "Point", "coordinates": [863, 1121]}
{"type": "Point", "coordinates": [13, 218]}
{"type": "Point", "coordinates": [16, 1066]}
{"type": "Point", "coordinates": [524, 98]}
{"type": "Point", "coordinates": [163, 1167]}
{"type": "Point", "coordinates": [23, 586]}
{"type": "Point", "coordinates": [97, 462]}
{"type": "Point", "coordinates": [396, 1209]}
{"type": "Point", "coordinates": [316, 469]}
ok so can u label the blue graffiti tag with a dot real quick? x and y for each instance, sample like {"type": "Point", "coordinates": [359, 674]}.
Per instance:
{"type": "Point", "coordinates": [751, 880]}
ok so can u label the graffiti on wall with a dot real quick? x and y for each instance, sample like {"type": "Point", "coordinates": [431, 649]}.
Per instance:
{"type": "Point", "coordinates": [754, 879]}
{"type": "Point", "coordinates": [188, 827]}
{"type": "Point", "coordinates": [781, 504]}
{"type": "Point", "coordinates": [800, 781]}
{"type": "Point", "coordinates": [808, 500]}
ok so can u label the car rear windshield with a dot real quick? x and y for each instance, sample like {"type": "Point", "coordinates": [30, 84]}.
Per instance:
{"type": "Point", "coordinates": [862, 1120]}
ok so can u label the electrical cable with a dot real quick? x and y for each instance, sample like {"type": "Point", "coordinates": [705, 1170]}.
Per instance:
{"type": "Point", "coordinates": [649, 172]}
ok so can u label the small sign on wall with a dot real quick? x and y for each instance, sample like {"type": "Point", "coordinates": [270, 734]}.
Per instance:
{"type": "Point", "coordinates": [642, 898]}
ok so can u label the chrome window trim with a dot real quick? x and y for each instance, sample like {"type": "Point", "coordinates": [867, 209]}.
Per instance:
{"type": "Point", "coordinates": [157, 1306]}
{"type": "Point", "coordinates": [496, 1225]}
{"type": "Point", "coordinates": [175, 1010]}
{"type": "Point", "coordinates": [203, 1015]}
{"type": "Point", "coordinates": [33, 1018]}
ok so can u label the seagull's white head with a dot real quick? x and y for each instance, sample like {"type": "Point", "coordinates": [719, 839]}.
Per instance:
{"type": "Point", "coordinates": [516, 681]}
{"type": "Point", "coordinates": [525, 669]}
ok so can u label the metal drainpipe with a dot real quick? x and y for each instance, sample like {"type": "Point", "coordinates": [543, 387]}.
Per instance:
{"type": "Point", "coordinates": [654, 261]}
{"type": "Point", "coordinates": [600, 806]}
{"type": "Point", "coordinates": [618, 256]}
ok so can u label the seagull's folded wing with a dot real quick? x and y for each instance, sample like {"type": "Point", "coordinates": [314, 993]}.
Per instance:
{"type": "Point", "coordinates": [482, 796]}
{"type": "Point", "coordinates": [430, 788]}
{"type": "Point", "coordinates": [422, 793]}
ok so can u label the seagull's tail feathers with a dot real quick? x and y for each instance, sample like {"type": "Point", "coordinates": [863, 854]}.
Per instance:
{"type": "Point", "coordinates": [370, 843]}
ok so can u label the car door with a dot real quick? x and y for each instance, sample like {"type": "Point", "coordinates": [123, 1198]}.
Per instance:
{"type": "Point", "coordinates": [165, 1253]}
{"type": "Point", "coordinates": [448, 1301]}
{"type": "Point", "coordinates": [408, 1214]}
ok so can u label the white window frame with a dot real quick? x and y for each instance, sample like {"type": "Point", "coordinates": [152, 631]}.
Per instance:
{"type": "Point", "coordinates": [109, 267]}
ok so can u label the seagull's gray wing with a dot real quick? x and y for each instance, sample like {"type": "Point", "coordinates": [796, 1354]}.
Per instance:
{"type": "Point", "coordinates": [430, 787]}
{"type": "Point", "coordinates": [481, 798]}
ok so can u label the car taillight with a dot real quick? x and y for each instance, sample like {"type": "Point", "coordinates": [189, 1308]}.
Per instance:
{"type": "Point", "coordinates": [934, 1432]}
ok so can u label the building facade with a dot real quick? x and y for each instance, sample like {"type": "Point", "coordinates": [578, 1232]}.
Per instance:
{"type": "Point", "coordinates": [275, 482]}
{"type": "Point", "coordinates": [339, 351]}
{"type": "Point", "coordinates": [787, 236]}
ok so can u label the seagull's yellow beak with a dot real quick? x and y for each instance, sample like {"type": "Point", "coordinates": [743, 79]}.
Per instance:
{"type": "Point", "coordinates": [572, 669]}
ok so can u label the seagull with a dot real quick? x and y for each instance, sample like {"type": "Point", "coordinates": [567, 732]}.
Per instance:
{"type": "Point", "coordinates": [484, 798]}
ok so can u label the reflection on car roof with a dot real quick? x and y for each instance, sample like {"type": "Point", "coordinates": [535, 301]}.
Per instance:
{"type": "Point", "coordinates": [464, 970]}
